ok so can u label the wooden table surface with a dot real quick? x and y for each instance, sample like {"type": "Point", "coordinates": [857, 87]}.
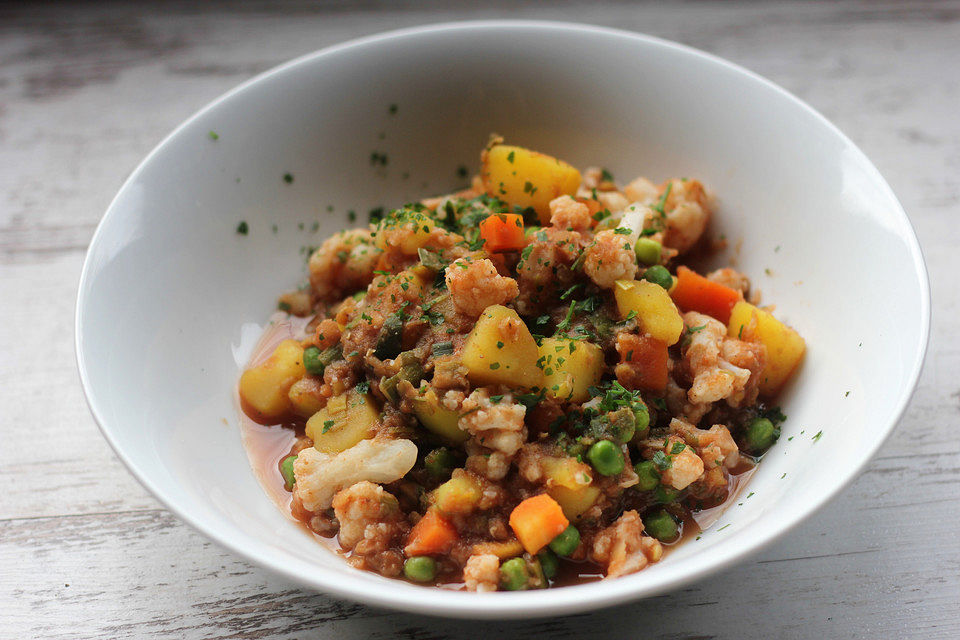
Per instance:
{"type": "Point", "coordinates": [86, 90]}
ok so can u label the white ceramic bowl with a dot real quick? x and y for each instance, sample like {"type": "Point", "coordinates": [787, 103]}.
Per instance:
{"type": "Point", "coordinates": [171, 297]}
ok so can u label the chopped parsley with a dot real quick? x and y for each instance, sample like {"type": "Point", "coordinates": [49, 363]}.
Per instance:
{"type": "Point", "coordinates": [288, 178]}
{"type": "Point", "coordinates": [662, 461]}
{"type": "Point", "coordinates": [214, 135]}
{"type": "Point", "coordinates": [326, 426]}
{"type": "Point", "coordinates": [243, 228]}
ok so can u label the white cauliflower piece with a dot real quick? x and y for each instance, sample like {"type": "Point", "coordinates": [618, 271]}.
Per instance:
{"type": "Point", "coordinates": [319, 476]}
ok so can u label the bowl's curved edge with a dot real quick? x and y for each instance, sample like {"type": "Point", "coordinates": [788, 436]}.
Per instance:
{"type": "Point", "coordinates": [529, 604]}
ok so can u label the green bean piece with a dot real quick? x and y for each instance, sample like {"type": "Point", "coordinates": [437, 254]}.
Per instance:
{"type": "Point", "coordinates": [566, 541]}
{"type": "Point", "coordinates": [548, 563]}
{"type": "Point", "coordinates": [514, 575]}
{"type": "Point", "coordinates": [389, 341]}
{"type": "Point", "coordinates": [286, 470]}
{"type": "Point", "coordinates": [410, 370]}
{"type": "Point", "coordinates": [440, 462]}
{"type": "Point", "coordinates": [648, 251]}
{"type": "Point", "coordinates": [661, 526]}
{"type": "Point", "coordinates": [316, 362]}
{"type": "Point", "coordinates": [606, 458]}
{"type": "Point", "coordinates": [761, 434]}
{"type": "Point", "coordinates": [649, 478]}
{"type": "Point", "coordinates": [658, 274]}
{"type": "Point", "coordinates": [420, 568]}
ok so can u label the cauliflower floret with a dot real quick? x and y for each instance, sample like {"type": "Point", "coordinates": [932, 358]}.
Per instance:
{"type": "Point", "coordinates": [610, 258]}
{"type": "Point", "coordinates": [360, 508]}
{"type": "Point", "coordinates": [686, 467]}
{"type": "Point", "coordinates": [730, 278]}
{"type": "Point", "coordinates": [498, 426]}
{"type": "Point", "coordinates": [623, 548]}
{"type": "Point", "coordinates": [319, 476]}
{"type": "Point", "coordinates": [641, 190]}
{"type": "Point", "coordinates": [482, 573]}
{"type": "Point", "coordinates": [687, 210]}
{"type": "Point", "coordinates": [344, 263]}
{"type": "Point", "coordinates": [567, 213]}
{"type": "Point", "coordinates": [720, 367]}
{"type": "Point", "coordinates": [475, 285]}
{"type": "Point", "coordinates": [715, 445]}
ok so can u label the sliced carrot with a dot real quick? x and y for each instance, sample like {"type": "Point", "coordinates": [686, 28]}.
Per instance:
{"type": "Point", "coordinates": [693, 292]}
{"type": "Point", "coordinates": [649, 359]}
{"type": "Point", "coordinates": [503, 232]}
{"type": "Point", "coordinates": [432, 535]}
{"type": "Point", "coordinates": [537, 521]}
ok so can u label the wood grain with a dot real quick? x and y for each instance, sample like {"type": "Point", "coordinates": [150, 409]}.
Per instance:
{"type": "Point", "coordinates": [87, 90]}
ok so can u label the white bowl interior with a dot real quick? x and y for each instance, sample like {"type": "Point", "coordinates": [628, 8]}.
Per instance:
{"type": "Point", "coordinates": [171, 294]}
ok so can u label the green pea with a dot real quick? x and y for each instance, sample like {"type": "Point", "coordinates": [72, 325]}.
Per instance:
{"type": "Point", "coordinates": [649, 478]}
{"type": "Point", "coordinates": [420, 568]}
{"type": "Point", "coordinates": [440, 462]}
{"type": "Point", "coordinates": [566, 541]}
{"type": "Point", "coordinates": [648, 251]}
{"type": "Point", "coordinates": [641, 416]}
{"type": "Point", "coordinates": [606, 458]}
{"type": "Point", "coordinates": [666, 495]}
{"type": "Point", "coordinates": [548, 563]}
{"type": "Point", "coordinates": [514, 575]}
{"type": "Point", "coordinates": [312, 362]}
{"type": "Point", "coordinates": [286, 470]}
{"type": "Point", "coordinates": [661, 526]}
{"type": "Point", "coordinates": [761, 434]}
{"type": "Point", "coordinates": [622, 425]}
{"type": "Point", "coordinates": [658, 274]}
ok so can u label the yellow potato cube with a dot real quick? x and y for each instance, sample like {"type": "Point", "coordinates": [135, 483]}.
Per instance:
{"type": "Point", "coordinates": [785, 347]}
{"type": "Point", "coordinates": [405, 229]}
{"type": "Point", "coordinates": [574, 502]}
{"type": "Point", "coordinates": [305, 396]}
{"type": "Point", "coordinates": [500, 350]}
{"type": "Point", "coordinates": [347, 419]}
{"type": "Point", "coordinates": [570, 368]}
{"type": "Point", "coordinates": [265, 387]}
{"type": "Point", "coordinates": [437, 418]}
{"type": "Point", "coordinates": [527, 178]}
{"type": "Point", "coordinates": [459, 494]}
{"type": "Point", "coordinates": [652, 306]}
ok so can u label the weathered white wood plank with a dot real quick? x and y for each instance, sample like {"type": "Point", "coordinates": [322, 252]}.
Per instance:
{"type": "Point", "coordinates": [86, 91]}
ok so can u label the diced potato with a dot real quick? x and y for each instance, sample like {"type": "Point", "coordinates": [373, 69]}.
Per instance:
{"type": "Point", "coordinates": [574, 502]}
{"type": "Point", "coordinates": [265, 387]}
{"type": "Point", "coordinates": [503, 550]}
{"type": "Point", "coordinates": [527, 178]}
{"type": "Point", "coordinates": [405, 229]}
{"type": "Point", "coordinates": [785, 347]}
{"type": "Point", "coordinates": [459, 494]}
{"type": "Point", "coordinates": [500, 350]}
{"type": "Point", "coordinates": [566, 472]}
{"type": "Point", "coordinates": [569, 483]}
{"type": "Point", "coordinates": [437, 418]}
{"type": "Point", "coordinates": [570, 368]}
{"type": "Point", "coordinates": [305, 396]}
{"type": "Point", "coordinates": [347, 419]}
{"type": "Point", "coordinates": [652, 306]}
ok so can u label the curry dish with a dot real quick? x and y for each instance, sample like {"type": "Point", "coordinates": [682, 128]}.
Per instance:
{"type": "Point", "coordinates": [521, 382]}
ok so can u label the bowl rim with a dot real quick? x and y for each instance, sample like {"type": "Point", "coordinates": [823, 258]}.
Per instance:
{"type": "Point", "coordinates": [532, 604]}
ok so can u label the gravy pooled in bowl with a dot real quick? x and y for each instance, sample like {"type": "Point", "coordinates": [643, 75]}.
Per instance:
{"type": "Point", "coordinates": [520, 385]}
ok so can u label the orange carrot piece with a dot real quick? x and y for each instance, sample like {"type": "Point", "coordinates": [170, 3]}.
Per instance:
{"type": "Point", "coordinates": [503, 232]}
{"type": "Point", "coordinates": [693, 292]}
{"type": "Point", "coordinates": [649, 357]}
{"type": "Point", "coordinates": [537, 521]}
{"type": "Point", "coordinates": [432, 535]}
